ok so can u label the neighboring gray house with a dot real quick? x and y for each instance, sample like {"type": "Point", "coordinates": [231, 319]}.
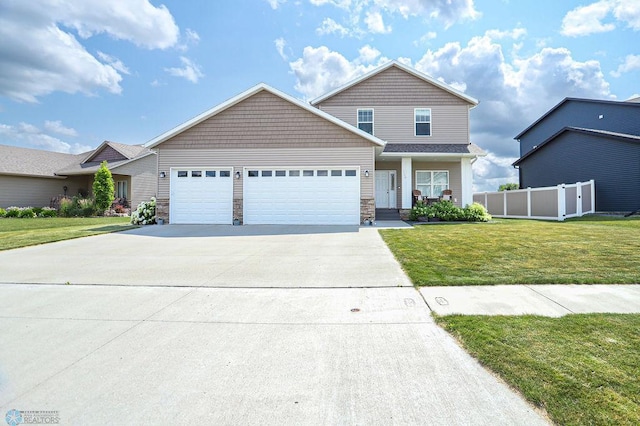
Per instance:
{"type": "Point", "coordinates": [583, 139]}
{"type": "Point", "coordinates": [31, 177]}
{"type": "Point", "coordinates": [264, 157]}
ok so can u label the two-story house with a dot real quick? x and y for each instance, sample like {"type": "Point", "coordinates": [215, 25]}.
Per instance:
{"type": "Point", "coordinates": [582, 139]}
{"type": "Point", "coordinates": [264, 157]}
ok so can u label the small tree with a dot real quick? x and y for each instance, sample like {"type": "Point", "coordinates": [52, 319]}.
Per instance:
{"type": "Point", "coordinates": [103, 188]}
{"type": "Point", "coordinates": [508, 187]}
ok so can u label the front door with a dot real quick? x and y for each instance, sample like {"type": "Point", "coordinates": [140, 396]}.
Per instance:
{"type": "Point", "coordinates": [386, 189]}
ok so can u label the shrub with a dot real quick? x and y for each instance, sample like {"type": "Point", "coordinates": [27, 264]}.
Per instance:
{"type": "Point", "coordinates": [36, 210]}
{"type": "Point", "coordinates": [447, 211]}
{"type": "Point", "coordinates": [508, 187]}
{"type": "Point", "coordinates": [476, 213]}
{"type": "Point", "coordinates": [27, 212]}
{"type": "Point", "coordinates": [12, 211]}
{"type": "Point", "coordinates": [77, 207]}
{"type": "Point", "coordinates": [119, 208]}
{"type": "Point", "coordinates": [3, 212]}
{"type": "Point", "coordinates": [145, 213]}
{"type": "Point", "coordinates": [420, 210]}
{"type": "Point", "coordinates": [47, 212]}
{"type": "Point", "coordinates": [103, 189]}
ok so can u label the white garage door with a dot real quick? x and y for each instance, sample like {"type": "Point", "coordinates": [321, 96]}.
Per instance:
{"type": "Point", "coordinates": [201, 195]}
{"type": "Point", "coordinates": [311, 195]}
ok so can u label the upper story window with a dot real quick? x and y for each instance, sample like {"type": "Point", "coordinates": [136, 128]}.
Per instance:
{"type": "Point", "coordinates": [365, 120]}
{"type": "Point", "coordinates": [423, 121]}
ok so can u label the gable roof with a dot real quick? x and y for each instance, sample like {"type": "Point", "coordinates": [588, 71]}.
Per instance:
{"type": "Point", "coordinates": [247, 94]}
{"type": "Point", "coordinates": [90, 167]}
{"type": "Point", "coordinates": [404, 68]}
{"type": "Point", "coordinates": [34, 162]}
{"type": "Point", "coordinates": [584, 100]}
{"type": "Point", "coordinates": [610, 135]}
{"type": "Point", "coordinates": [127, 151]}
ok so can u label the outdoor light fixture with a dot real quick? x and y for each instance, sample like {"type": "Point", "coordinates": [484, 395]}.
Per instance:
{"type": "Point", "coordinates": [238, 174]}
{"type": "Point", "coordinates": [366, 173]}
{"type": "Point", "coordinates": [163, 175]}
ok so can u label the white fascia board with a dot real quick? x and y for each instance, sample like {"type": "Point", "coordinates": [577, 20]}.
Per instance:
{"type": "Point", "coordinates": [403, 67]}
{"type": "Point", "coordinates": [429, 154]}
{"type": "Point", "coordinates": [248, 93]}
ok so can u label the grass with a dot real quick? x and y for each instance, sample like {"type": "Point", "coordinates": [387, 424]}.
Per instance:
{"type": "Point", "coordinates": [582, 369]}
{"type": "Point", "coordinates": [588, 250]}
{"type": "Point", "coordinates": [16, 233]}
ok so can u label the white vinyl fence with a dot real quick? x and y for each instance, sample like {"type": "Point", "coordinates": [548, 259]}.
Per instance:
{"type": "Point", "coordinates": [551, 203]}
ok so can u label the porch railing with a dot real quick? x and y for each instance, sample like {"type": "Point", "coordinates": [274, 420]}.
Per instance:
{"type": "Point", "coordinates": [550, 203]}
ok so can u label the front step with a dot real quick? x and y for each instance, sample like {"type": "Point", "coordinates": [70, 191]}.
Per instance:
{"type": "Point", "coordinates": [387, 214]}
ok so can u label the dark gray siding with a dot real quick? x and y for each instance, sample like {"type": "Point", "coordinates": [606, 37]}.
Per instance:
{"type": "Point", "coordinates": [617, 117]}
{"type": "Point", "coordinates": [578, 157]}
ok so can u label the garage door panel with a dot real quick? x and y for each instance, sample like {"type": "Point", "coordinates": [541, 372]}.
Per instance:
{"type": "Point", "coordinates": [201, 197]}
{"type": "Point", "coordinates": [291, 199]}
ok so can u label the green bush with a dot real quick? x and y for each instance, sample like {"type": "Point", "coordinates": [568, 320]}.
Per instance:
{"type": "Point", "coordinates": [3, 212]}
{"type": "Point", "coordinates": [145, 214]}
{"type": "Point", "coordinates": [77, 207]}
{"type": "Point", "coordinates": [476, 213]}
{"type": "Point", "coordinates": [47, 212]}
{"type": "Point", "coordinates": [420, 210]}
{"type": "Point", "coordinates": [27, 212]}
{"type": "Point", "coordinates": [103, 189]}
{"type": "Point", "coordinates": [12, 211]}
{"type": "Point", "coordinates": [447, 211]}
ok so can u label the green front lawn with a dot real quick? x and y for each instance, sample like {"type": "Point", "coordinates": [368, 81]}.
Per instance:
{"type": "Point", "coordinates": [582, 369]}
{"type": "Point", "coordinates": [16, 233]}
{"type": "Point", "coordinates": [589, 250]}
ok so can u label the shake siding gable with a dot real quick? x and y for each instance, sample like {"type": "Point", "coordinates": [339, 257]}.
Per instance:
{"type": "Point", "coordinates": [393, 87]}
{"type": "Point", "coordinates": [264, 121]}
{"type": "Point", "coordinates": [108, 154]}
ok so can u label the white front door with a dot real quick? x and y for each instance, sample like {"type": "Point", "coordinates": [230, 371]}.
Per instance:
{"type": "Point", "coordinates": [386, 189]}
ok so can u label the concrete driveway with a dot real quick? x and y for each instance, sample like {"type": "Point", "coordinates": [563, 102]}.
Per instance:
{"type": "Point", "coordinates": [213, 256]}
{"type": "Point", "coordinates": [233, 325]}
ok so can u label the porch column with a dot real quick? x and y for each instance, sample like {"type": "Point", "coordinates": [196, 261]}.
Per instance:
{"type": "Point", "coordinates": [407, 183]}
{"type": "Point", "coordinates": [466, 179]}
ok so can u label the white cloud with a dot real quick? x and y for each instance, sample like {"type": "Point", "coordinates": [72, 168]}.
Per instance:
{"type": "Point", "coordinates": [375, 23]}
{"type": "Point", "coordinates": [425, 39]}
{"type": "Point", "coordinates": [447, 11]}
{"type": "Point", "coordinates": [276, 3]}
{"type": "Point", "coordinates": [189, 71]}
{"type": "Point", "coordinates": [192, 36]}
{"type": "Point", "coordinates": [280, 45]}
{"type": "Point", "coordinates": [590, 19]}
{"type": "Point", "coordinates": [631, 63]}
{"type": "Point", "coordinates": [59, 128]}
{"type": "Point", "coordinates": [25, 134]}
{"type": "Point", "coordinates": [114, 62]}
{"type": "Point", "coordinates": [40, 54]}
{"type": "Point", "coordinates": [368, 54]}
{"type": "Point", "coordinates": [329, 26]}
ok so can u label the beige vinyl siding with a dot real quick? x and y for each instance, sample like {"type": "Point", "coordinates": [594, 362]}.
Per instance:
{"type": "Point", "coordinates": [143, 181]}
{"type": "Point", "coordinates": [395, 124]}
{"type": "Point", "coordinates": [362, 157]}
{"type": "Point", "coordinates": [37, 192]}
{"type": "Point", "coordinates": [264, 121]}
{"type": "Point", "coordinates": [393, 87]}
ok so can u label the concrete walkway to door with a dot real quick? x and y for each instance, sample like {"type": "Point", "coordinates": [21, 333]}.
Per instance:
{"type": "Point", "coordinates": [213, 256]}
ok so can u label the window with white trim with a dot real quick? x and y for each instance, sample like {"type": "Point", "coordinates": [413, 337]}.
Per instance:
{"type": "Point", "coordinates": [365, 120]}
{"type": "Point", "coordinates": [431, 183]}
{"type": "Point", "coordinates": [422, 117]}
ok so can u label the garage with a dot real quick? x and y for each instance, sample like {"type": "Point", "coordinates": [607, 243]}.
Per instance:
{"type": "Point", "coordinates": [302, 195]}
{"type": "Point", "coordinates": [201, 195]}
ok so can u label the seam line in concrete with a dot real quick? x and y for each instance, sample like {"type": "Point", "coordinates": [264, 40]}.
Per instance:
{"type": "Point", "coordinates": [424, 299]}
{"type": "Point", "coordinates": [548, 298]}
{"type": "Point", "coordinates": [207, 286]}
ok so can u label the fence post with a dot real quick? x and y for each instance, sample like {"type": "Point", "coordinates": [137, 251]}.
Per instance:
{"type": "Point", "coordinates": [593, 195]}
{"type": "Point", "coordinates": [528, 201]}
{"type": "Point", "coordinates": [579, 199]}
{"type": "Point", "coordinates": [486, 201]}
{"type": "Point", "coordinates": [562, 202]}
{"type": "Point", "coordinates": [504, 203]}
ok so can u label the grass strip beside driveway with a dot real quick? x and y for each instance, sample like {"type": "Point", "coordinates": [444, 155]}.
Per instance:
{"type": "Point", "coordinates": [593, 250]}
{"type": "Point", "coordinates": [582, 369]}
{"type": "Point", "coordinates": [16, 233]}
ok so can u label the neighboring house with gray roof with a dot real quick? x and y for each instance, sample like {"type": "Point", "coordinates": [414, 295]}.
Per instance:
{"type": "Point", "coordinates": [32, 177]}
{"type": "Point", "coordinates": [583, 139]}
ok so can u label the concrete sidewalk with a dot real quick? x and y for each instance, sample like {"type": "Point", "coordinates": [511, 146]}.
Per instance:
{"type": "Point", "coordinates": [546, 300]}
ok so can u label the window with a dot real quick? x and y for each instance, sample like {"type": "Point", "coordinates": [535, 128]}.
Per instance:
{"type": "Point", "coordinates": [182, 173]}
{"type": "Point", "coordinates": [307, 173]}
{"type": "Point", "coordinates": [210, 173]}
{"type": "Point", "coordinates": [253, 173]}
{"type": "Point", "coordinates": [294, 173]}
{"type": "Point", "coordinates": [225, 173]}
{"type": "Point", "coordinates": [196, 173]}
{"type": "Point", "coordinates": [349, 172]}
{"type": "Point", "coordinates": [121, 189]}
{"type": "Point", "coordinates": [280, 173]}
{"type": "Point", "coordinates": [423, 121]}
{"type": "Point", "coordinates": [323, 172]}
{"type": "Point", "coordinates": [336, 172]}
{"type": "Point", "coordinates": [365, 120]}
{"type": "Point", "coordinates": [432, 183]}
{"type": "Point", "coordinates": [267, 173]}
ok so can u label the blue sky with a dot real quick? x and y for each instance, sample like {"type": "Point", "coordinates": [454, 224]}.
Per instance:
{"type": "Point", "coordinates": [74, 73]}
